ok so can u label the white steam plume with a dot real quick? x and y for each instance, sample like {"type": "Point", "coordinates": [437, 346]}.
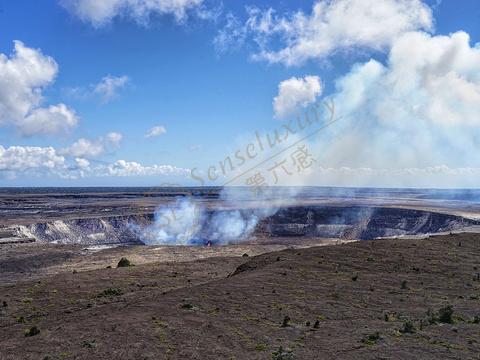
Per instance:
{"type": "Point", "coordinates": [188, 222]}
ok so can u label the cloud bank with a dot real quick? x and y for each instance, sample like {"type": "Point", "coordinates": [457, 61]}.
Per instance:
{"type": "Point", "coordinates": [18, 161]}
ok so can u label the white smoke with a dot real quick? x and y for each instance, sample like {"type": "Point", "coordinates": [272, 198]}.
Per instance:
{"type": "Point", "coordinates": [188, 222]}
{"type": "Point", "coordinates": [174, 224]}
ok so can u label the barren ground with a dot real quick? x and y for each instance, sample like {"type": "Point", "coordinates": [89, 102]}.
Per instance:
{"type": "Point", "coordinates": [318, 302]}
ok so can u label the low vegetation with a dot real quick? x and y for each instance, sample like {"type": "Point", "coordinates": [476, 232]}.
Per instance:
{"type": "Point", "coordinates": [110, 292]}
{"type": "Point", "coordinates": [371, 339]}
{"type": "Point", "coordinates": [283, 354]}
{"type": "Point", "coordinates": [31, 331]}
{"type": "Point", "coordinates": [124, 262]}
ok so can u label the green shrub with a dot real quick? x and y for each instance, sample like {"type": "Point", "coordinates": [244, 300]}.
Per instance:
{"type": "Point", "coordinates": [390, 317]}
{"type": "Point", "coordinates": [286, 321]}
{"type": "Point", "coordinates": [476, 319]}
{"type": "Point", "coordinates": [445, 314]}
{"type": "Point", "coordinates": [110, 292]}
{"type": "Point", "coordinates": [261, 347]}
{"type": "Point", "coordinates": [187, 306]}
{"type": "Point", "coordinates": [371, 339]}
{"type": "Point", "coordinates": [31, 332]}
{"type": "Point", "coordinates": [124, 262]}
{"type": "Point", "coordinates": [408, 328]}
{"type": "Point", "coordinates": [283, 354]}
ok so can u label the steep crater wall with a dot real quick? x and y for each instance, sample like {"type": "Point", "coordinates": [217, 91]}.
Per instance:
{"type": "Point", "coordinates": [296, 222]}
{"type": "Point", "coordinates": [359, 222]}
{"type": "Point", "coordinates": [89, 231]}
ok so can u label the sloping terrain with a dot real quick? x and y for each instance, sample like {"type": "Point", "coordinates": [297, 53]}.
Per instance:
{"type": "Point", "coordinates": [385, 299]}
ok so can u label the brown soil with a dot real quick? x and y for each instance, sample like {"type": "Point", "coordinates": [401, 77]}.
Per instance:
{"type": "Point", "coordinates": [318, 302]}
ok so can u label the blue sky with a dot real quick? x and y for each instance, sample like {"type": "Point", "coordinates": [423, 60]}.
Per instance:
{"type": "Point", "coordinates": [206, 98]}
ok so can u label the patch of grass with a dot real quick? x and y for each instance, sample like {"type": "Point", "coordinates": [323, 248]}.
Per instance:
{"type": "Point", "coordinates": [124, 262]}
{"type": "Point", "coordinates": [445, 315]}
{"type": "Point", "coordinates": [187, 306]}
{"type": "Point", "coordinates": [390, 316]}
{"type": "Point", "coordinates": [408, 328]}
{"type": "Point", "coordinates": [27, 300]}
{"type": "Point", "coordinates": [244, 337]}
{"type": "Point", "coordinates": [476, 320]}
{"type": "Point", "coordinates": [283, 354]}
{"type": "Point", "coordinates": [431, 317]}
{"type": "Point", "coordinates": [286, 321]}
{"type": "Point", "coordinates": [110, 292]}
{"type": "Point", "coordinates": [355, 277]}
{"type": "Point", "coordinates": [20, 320]}
{"type": "Point", "coordinates": [404, 286]}
{"type": "Point", "coordinates": [31, 332]}
{"type": "Point", "coordinates": [261, 347]}
{"type": "Point", "coordinates": [371, 339]}
{"type": "Point", "coordinates": [397, 333]}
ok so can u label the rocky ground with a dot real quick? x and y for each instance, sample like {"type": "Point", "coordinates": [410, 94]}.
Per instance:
{"type": "Point", "coordinates": [383, 299]}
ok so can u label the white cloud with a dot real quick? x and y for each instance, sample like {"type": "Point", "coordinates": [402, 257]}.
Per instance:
{"type": "Point", "coordinates": [419, 111]}
{"type": "Point", "coordinates": [52, 120]}
{"type": "Point", "coordinates": [332, 26]}
{"type": "Point", "coordinates": [18, 161]}
{"type": "Point", "coordinates": [18, 158]}
{"type": "Point", "coordinates": [126, 168]}
{"type": "Point", "coordinates": [232, 35]}
{"type": "Point", "coordinates": [113, 139]}
{"type": "Point", "coordinates": [294, 93]}
{"type": "Point", "coordinates": [108, 87]}
{"type": "Point", "coordinates": [99, 13]}
{"type": "Point", "coordinates": [155, 131]}
{"type": "Point", "coordinates": [85, 148]}
{"type": "Point", "coordinates": [82, 163]}
{"type": "Point", "coordinates": [23, 76]}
